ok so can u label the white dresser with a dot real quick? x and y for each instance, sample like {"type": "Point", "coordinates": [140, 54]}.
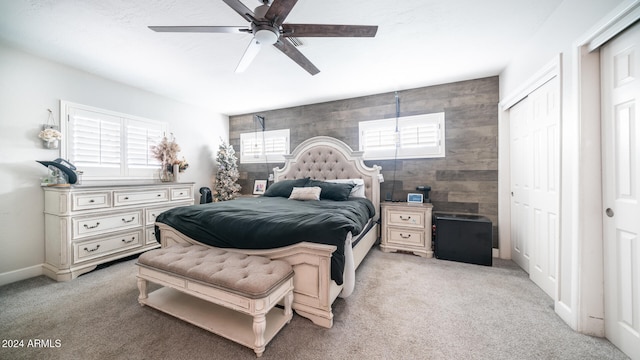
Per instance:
{"type": "Point", "coordinates": [89, 225]}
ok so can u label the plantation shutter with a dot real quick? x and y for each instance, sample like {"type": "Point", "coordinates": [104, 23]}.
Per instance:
{"type": "Point", "coordinates": [251, 147]}
{"type": "Point", "coordinates": [380, 135]}
{"type": "Point", "coordinates": [269, 146]}
{"type": "Point", "coordinates": [140, 137]}
{"type": "Point", "coordinates": [109, 145]}
{"type": "Point", "coordinates": [95, 140]}
{"type": "Point", "coordinates": [275, 146]}
{"type": "Point", "coordinates": [418, 136]}
{"type": "Point", "coordinates": [424, 135]}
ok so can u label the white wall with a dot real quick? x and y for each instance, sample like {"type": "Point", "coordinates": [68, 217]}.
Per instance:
{"type": "Point", "coordinates": [30, 85]}
{"type": "Point", "coordinates": [580, 209]}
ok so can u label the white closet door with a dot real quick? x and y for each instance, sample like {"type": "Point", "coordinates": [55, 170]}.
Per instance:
{"type": "Point", "coordinates": [621, 181]}
{"type": "Point", "coordinates": [519, 118]}
{"type": "Point", "coordinates": [545, 195]}
{"type": "Point", "coordinates": [535, 179]}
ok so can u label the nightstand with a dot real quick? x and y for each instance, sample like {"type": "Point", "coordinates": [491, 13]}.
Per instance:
{"type": "Point", "coordinates": [406, 227]}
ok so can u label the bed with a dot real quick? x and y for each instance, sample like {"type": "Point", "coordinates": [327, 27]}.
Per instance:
{"type": "Point", "coordinates": [323, 270]}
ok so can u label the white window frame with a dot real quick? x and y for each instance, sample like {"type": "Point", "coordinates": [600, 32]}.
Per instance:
{"type": "Point", "coordinates": [432, 145]}
{"type": "Point", "coordinates": [256, 139]}
{"type": "Point", "coordinates": [122, 168]}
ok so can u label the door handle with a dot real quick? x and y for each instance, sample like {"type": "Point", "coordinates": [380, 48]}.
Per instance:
{"type": "Point", "coordinates": [609, 212]}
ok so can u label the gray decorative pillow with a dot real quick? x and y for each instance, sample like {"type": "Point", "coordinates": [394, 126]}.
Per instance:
{"type": "Point", "coordinates": [332, 191]}
{"type": "Point", "coordinates": [283, 188]}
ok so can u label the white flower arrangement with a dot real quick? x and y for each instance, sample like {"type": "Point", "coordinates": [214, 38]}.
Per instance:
{"type": "Point", "coordinates": [50, 135]}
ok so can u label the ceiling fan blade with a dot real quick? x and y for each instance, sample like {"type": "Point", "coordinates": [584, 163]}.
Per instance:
{"type": "Point", "coordinates": [279, 10]}
{"type": "Point", "coordinates": [318, 30]}
{"type": "Point", "coordinates": [249, 54]}
{"type": "Point", "coordinates": [288, 49]}
{"type": "Point", "coordinates": [201, 29]}
{"type": "Point", "coordinates": [240, 8]}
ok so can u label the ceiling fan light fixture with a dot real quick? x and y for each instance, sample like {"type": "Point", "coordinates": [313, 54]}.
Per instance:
{"type": "Point", "coordinates": [265, 37]}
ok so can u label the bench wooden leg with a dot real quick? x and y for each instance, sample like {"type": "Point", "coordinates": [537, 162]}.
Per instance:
{"type": "Point", "coordinates": [259, 326]}
{"type": "Point", "coordinates": [288, 302]}
{"type": "Point", "coordinates": [142, 286]}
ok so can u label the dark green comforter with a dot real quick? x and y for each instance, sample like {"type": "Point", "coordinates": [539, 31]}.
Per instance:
{"type": "Point", "coordinates": [272, 222]}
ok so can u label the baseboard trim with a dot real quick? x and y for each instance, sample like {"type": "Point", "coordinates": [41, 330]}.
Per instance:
{"type": "Point", "coordinates": [20, 274]}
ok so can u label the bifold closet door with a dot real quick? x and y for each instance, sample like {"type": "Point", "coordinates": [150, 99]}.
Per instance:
{"type": "Point", "coordinates": [535, 184]}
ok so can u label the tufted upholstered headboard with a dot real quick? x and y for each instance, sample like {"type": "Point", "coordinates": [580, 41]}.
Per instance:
{"type": "Point", "coordinates": [327, 158]}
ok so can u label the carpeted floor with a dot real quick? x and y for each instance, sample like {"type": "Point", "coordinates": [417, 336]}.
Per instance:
{"type": "Point", "coordinates": [403, 307]}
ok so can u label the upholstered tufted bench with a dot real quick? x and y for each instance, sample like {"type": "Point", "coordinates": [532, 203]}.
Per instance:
{"type": "Point", "coordinates": [230, 294]}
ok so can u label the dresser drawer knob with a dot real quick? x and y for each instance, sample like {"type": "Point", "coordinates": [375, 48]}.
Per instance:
{"type": "Point", "coordinates": [126, 198]}
{"type": "Point", "coordinates": [92, 250]}
{"type": "Point", "coordinates": [159, 195]}
{"type": "Point", "coordinates": [133, 238]}
{"type": "Point", "coordinates": [92, 201]}
{"type": "Point", "coordinates": [405, 236]}
{"type": "Point", "coordinates": [405, 219]}
{"type": "Point", "coordinates": [91, 227]}
{"type": "Point", "coordinates": [128, 221]}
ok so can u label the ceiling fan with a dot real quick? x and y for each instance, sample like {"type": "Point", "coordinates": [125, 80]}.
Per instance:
{"type": "Point", "coordinates": [268, 28]}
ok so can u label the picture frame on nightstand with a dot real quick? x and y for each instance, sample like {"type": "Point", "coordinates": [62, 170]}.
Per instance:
{"type": "Point", "coordinates": [414, 198]}
{"type": "Point", "coordinates": [259, 187]}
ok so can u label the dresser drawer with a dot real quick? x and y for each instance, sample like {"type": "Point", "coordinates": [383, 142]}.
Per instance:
{"type": "Point", "coordinates": [91, 249]}
{"type": "Point", "coordinates": [88, 201]}
{"type": "Point", "coordinates": [150, 236]}
{"type": "Point", "coordinates": [406, 218]}
{"type": "Point", "coordinates": [181, 193]}
{"type": "Point", "coordinates": [88, 226]}
{"type": "Point", "coordinates": [152, 214]}
{"type": "Point", "coordinates": [405, 237]}
{"type": "Point", "coordinates": [124, 198]}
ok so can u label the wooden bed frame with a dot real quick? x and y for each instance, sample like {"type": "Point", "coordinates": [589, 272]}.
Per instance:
{"type": "Point", "coordinates": [320, 158]}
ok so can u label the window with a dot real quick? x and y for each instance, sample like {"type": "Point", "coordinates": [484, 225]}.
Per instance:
{"type": "Point", "coordinates": [108, 145]}
{"type": "Point", "coordinates": [418, 136]}
{"type": "Point", "coordinates": [264, 146]}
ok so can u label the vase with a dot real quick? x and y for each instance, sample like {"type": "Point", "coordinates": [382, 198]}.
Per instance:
{"type": "Point", "coordinates": [51, 144]}
{"type": "Point", "coordinates": [176, 172]}
{"type": "Point", "coordinates": [165, 174]}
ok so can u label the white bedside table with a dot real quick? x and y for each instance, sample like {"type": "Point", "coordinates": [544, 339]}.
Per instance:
{"type": "Point", "coordinates": [406, 227]}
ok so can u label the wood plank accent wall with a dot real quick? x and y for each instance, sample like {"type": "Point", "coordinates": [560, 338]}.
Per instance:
{"type": "Point", "coordinates": [464, 181]}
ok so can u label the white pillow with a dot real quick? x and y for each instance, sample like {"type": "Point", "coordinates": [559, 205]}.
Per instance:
{"type": "Point", "coordinates": [305, 193]}
{"type": "Point", "coordinates": [358, 189]}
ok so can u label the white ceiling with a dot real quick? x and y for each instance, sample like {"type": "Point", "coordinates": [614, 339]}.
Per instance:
{"type": "Point", "coordinates": [419, 43]}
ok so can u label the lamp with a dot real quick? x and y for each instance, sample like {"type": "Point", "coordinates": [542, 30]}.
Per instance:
{"type": "Point", "coordinates": [266, 36]}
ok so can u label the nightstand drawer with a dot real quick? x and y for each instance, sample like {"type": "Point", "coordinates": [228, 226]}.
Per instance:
{"type": "Point", "coordinates": [87, 250]}
{"type": "Point", "coordinates": [405, 237]}
{"type": "Point", "coordinates": [87, 201]}
{"type": "Point", "coordinates": [123, 198]}
{"type": "Point", "coordinates": [406, 218]}
{"type": "Point", "coordinates": [84, 227]}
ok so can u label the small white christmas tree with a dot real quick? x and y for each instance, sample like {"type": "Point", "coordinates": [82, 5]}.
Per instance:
{"type": "Point", "coordinates": [225, 187]}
